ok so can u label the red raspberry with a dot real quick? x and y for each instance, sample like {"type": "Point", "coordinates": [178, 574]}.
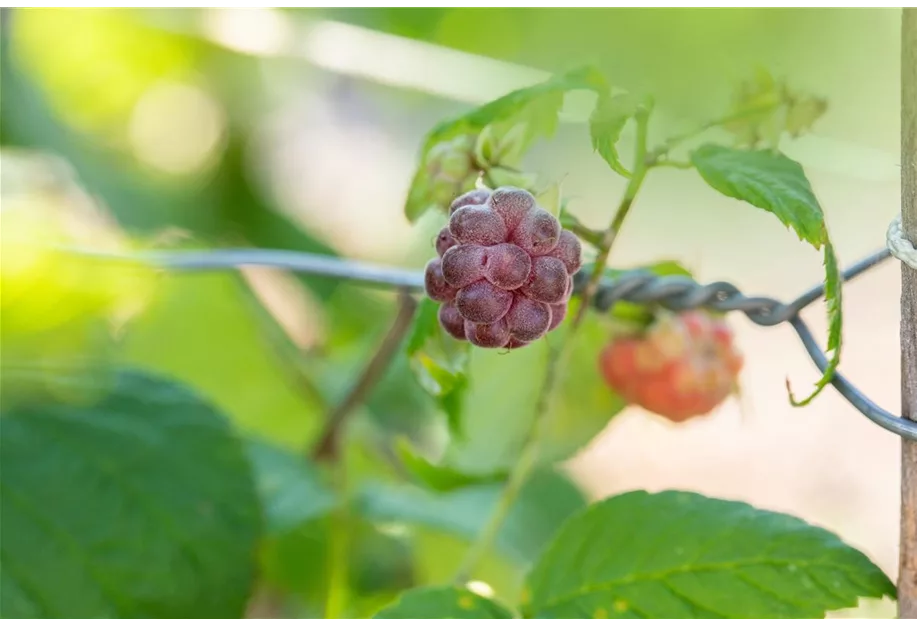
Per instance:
{"type": "Point", "coordinates": [683, 366]}
{"type": "Point", "coordinates": [505, 270]}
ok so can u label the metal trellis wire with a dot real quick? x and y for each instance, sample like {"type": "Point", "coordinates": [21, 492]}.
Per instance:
{"type": "Point", "coordinates": [675, 293]}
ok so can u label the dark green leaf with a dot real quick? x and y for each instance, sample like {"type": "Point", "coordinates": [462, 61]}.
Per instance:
{"type": "Point", "coordinates": [768, 180]}
{"type": "Point", "coordinates": [608, 118]}
{"type": "Point", "coordinates": [292, 491]}
{"type": "Point", "coordinates": [774, 182]}
{"type": "Point", "coordinates": [536, 107]}
{"type": "Point", "coordinates": [544, 503]}
{"type": "Point", "coordinates": [138, 505]}
{"type": "Point", "coordinates": [439, 478]}
{"type": "Point", "coordinates": [444, 602]}
{"type": "Point", "coordinates": [682, 555]}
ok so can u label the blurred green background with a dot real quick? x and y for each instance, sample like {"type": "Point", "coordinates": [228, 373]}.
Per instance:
{"type": "Point", "coordinates": [299, 129]}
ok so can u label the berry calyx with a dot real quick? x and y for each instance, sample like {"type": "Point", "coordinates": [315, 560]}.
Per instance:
{"type": "Point", "coordinates": [684, 365]}
{"type": "Point", "coordinates": [504, 269]}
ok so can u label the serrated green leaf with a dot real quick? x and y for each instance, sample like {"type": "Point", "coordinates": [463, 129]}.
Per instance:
{"type": "Point", "coordinates": [607, 121]}
{"type": "Point", "coordinates": [138, 505]}
{"type": "Point", "coordinates": [835, 324]}
{"type": "Point", "coordinates": [768, 180]}
{"type": "Point", "coordinates": [773, 182]}
{"type": "Point", "coordinates": [444, 602]}
{"type": "Point", "coordinates": [435, 477]}
{"type": "Point", "coordinates": [544, 503]}
{"type": "Point", "coordinates": [534, 107]}
{"type": "Point", "coordinates": [292, 492]}
{"type": "Point", "coordinates": [683, 555]}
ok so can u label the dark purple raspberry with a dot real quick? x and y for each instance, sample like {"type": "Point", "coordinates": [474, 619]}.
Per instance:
{"type": "Point", "coordinates": [464, 264]}
{"type": "Point", "coordinates": [444, 241]}
{"type": "Point", "coordinates": [434, 282]}
{"type": "Point", "coordinates": [512, 204]}
{"type": "Point", "coordinates": [547, 282]}
{"type": "Point", "coordinates": [505, 273]}
{"type": "Point", "coordinates": [474, 197]}
{"type": "Point", "coordinates": [483, 303]}
{"type": "Point", "coordinates": [537, 234]}
{"type": "Point", "coordinates": [452, 321]}
{"type": "Point", "coordinates": [487, 335]}
{"type": "Point", "coordinates": [569, 251]}
{"type": "Point", "coordinates": [527, 319]}
{"type": "Point", "coordinates": [477, 225]}
{"type": "Point", "coordinates": [507, 266]}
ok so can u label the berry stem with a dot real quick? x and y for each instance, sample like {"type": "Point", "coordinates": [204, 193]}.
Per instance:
{"type": "Point", "coordinates": [328, 446]}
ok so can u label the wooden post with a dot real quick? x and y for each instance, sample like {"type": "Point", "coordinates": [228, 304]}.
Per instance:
{"type": "Point", "coordinates": [907, 577]}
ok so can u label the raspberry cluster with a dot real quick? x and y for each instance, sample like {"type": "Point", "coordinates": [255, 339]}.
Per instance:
{"type": "Point", "coordinates": [504, 271]}
{"type": "Point", "coordinates": [684, 366]}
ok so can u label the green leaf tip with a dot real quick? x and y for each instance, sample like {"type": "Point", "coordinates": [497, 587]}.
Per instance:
{"type": "Point", "coordinates": [772, 181]}
{"type": "Point", "coordinates": [835, 323]}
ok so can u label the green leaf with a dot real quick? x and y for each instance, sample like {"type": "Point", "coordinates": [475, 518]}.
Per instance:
{"type": "Point", "coordinates": [683, 555]}
{"type": "Point", "coordinates": [768, 180]}
{"type": "Point", "coordinates": [543, 504]}
{"type": "Point", "coordinates": [835, 324]}
{"type": "Point", "coordinates": [438, 362]}
{"type": "Point", "coordinates": [438, 478]}
{"type": "Point", "coordinates": [534, 107]}
{"type": "Point", "coordinates": [292, 491]}
{"type": "Point", "coordinates": [607, 121]}
{"type": "Point", "coordinates": [773, 182]}
{"type": "Point", "coordinates": [444, 602]}
{"type": "Point", "coordinates": [139, 504]}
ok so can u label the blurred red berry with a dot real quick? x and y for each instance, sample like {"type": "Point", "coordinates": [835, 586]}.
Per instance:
{"type": "Point", "coordinates": [683, 366]}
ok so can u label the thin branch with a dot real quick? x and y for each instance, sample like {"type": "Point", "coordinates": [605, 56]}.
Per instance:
{"type": "Point", "coordinates": [328, 445]}
{"type": "Point", "coordinates": [307, 263]}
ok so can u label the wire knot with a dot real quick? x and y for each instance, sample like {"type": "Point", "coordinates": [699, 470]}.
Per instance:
{"type": "Point", "coordinates": [898, 244]}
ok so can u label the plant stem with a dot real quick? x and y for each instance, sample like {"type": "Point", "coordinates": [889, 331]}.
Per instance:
{"type": "Point", "coordinates": [557, 357]}
{"type": "Point", "coordinates": [641, 166]}
{"type": "Point", "coordinates": [328, 446]}
{"type": "Point", "coordinates": [339, 540]}
{"type": "Point", "coordinates": [672, 163]}
{"type": "Point", "coordinates": [572, 224]}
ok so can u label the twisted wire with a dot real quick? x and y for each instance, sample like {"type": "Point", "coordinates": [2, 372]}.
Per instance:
{"type": "Point", "coordinates": [676, 293]}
